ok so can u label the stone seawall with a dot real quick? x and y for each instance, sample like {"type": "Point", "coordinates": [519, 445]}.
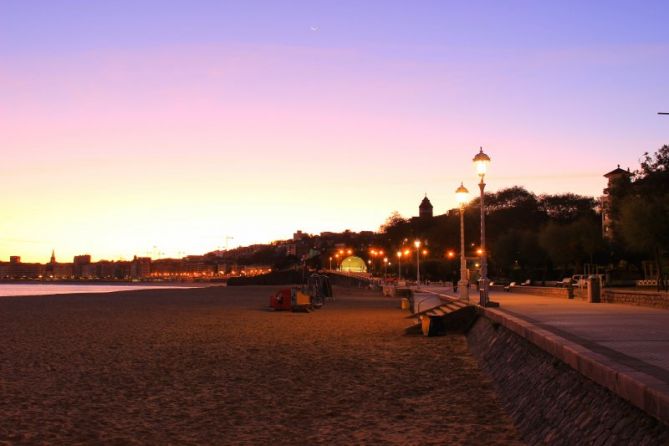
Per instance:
{"type": "Point", "coordinates": [348, 281]}
{"type": "Point", "coordinates": [550, 402]}
{"type": "Point", "coordinates": [633, 297]}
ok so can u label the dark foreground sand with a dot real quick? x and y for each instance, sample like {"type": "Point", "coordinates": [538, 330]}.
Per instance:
{"type": "Point", "coordinates": [213, 366]}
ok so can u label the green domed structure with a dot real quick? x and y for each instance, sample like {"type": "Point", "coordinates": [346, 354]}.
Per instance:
{"type": "Point", "coordinates": [353, 264]}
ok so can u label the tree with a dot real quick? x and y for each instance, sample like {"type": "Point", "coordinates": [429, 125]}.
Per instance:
{"type": "Point", "coordinates": [510, 198]}
{"type": "Point", "coordinates": [559, 243]}
{"type": "Point", "coordinates": [644, 212]}
{"type": "Point", "coordinates": [653, 178]}
{"type": "Point", "coordinates": [645, 228]}
{"type": "Point", "coordinates": [565, 208]}
{"type": "Point", "coordinates": [395, 228]}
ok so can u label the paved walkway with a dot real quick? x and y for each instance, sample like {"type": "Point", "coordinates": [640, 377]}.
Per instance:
{"type": "Point", "coordinates": [637, 337]}
{"type": "Point", "coordinates": [632, 340]}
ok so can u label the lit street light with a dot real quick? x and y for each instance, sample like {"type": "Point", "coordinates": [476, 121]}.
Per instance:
{"type": "Point", "coordinates": [462, 196]}
{"type": "Point", "coordinates": [417, 245]}
{"type": "Point", "coordinates": [399, 265]}
{"type": "Point", "coordinates": [330, 263]}
{"type": "Point", "coordinates": [481, 161]}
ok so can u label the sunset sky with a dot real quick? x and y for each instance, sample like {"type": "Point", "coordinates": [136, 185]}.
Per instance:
{"type": "Point", "coordinates": [146, 127]}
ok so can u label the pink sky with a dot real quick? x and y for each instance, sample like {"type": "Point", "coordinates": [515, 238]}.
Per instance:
{"type": "Point", "coordinates": [115, 150]}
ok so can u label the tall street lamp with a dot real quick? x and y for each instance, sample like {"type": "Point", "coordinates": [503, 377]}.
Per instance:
{"type": "Point", "coordinates": [399, 265]}
{"type": "Point", "coordinates": [462, 196]}
{"type": "Point", "coordinates": [481, 161]}
{"type": "Point", "coordinates": [417, 245]}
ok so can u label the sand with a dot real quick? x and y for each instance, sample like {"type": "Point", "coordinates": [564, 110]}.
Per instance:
{"type": "Point", "coordinates": [213, 366]}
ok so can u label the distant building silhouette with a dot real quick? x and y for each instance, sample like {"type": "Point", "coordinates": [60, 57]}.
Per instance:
{"type": "Point", "coordinates": [425, 208]}
{"type": "Point", "coordinates": [80, 265]}
{"type": "Point", "coordinates": [617, 178]}
{"type": "Point", "coordinates": [140, 267]}
{"type": "Point", "coordinates": [16, 269]}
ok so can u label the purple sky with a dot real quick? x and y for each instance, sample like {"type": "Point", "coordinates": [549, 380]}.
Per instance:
{"type": "Point", "coordinates": [129, 125]}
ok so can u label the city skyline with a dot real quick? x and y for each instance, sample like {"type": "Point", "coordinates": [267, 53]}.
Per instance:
{"type": "Point", "coordinates": [162, 124]}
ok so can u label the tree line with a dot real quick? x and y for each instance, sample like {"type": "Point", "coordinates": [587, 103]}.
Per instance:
{"type": "Point", "coordinates": [547, 237]}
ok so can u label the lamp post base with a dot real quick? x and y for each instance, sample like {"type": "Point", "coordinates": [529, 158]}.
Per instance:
{"type": "Point", "coordinates": [463, 290]}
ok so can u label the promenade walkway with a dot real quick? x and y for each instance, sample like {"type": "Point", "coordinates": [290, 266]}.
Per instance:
{"type": "Point", "coordinates": [637, 337]}
{"type": "Point", "coordinates": [628, 344]}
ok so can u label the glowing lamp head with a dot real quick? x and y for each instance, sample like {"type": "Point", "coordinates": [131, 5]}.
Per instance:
{"type": "Point", "coordinates": [416, 243]}
{"type": "Point", "coordinates": [399, 254]}
{"type": "Point", "coordinates": [461, 195]}
{"type": "Point", "coordinates": [451, 254]}
{"type": "Point", "coordinates": [481, 161]}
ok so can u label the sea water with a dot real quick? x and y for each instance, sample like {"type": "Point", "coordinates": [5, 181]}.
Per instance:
{"type": "Point", "coordinates": [41, 289]}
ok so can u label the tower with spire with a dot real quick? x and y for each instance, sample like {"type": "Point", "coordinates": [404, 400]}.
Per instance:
{"type": "Point", "coordinates": [425, 208]}
{"type": "Point", "coordinates": [50, 269]}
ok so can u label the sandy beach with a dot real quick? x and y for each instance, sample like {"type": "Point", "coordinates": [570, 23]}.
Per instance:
{"type": "Point", "coordinates": [213, 366]}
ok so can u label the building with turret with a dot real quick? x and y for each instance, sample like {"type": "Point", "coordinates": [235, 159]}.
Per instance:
{"type": "Point", "coordinates": [425, 208]}
{"type": "Point", "coordinates": [617, 179]}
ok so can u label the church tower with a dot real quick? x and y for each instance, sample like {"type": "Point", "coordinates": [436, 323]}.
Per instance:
{"type": "Point", "coordinates": [425, 208]}
{"type": "Point", "coordinates": [50, 269]}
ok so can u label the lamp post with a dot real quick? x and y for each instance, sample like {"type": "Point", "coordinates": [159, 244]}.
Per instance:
{"type": "Point", "coordinates": [481, 161]}
{"type": "Point", "coordinates": [399, 265]}
{"type": "Point", "coordinates": [417, 245]}
{"type": "Point", "coordinates": [461, 196]}
{"type": "Point", "coordinates": [385, 267]}
{"type": "Point", "coordinates": [380, 253]}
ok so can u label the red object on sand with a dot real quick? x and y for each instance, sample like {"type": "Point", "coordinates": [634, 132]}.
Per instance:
{"type": "Point", "coordinates": [281, 300]}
